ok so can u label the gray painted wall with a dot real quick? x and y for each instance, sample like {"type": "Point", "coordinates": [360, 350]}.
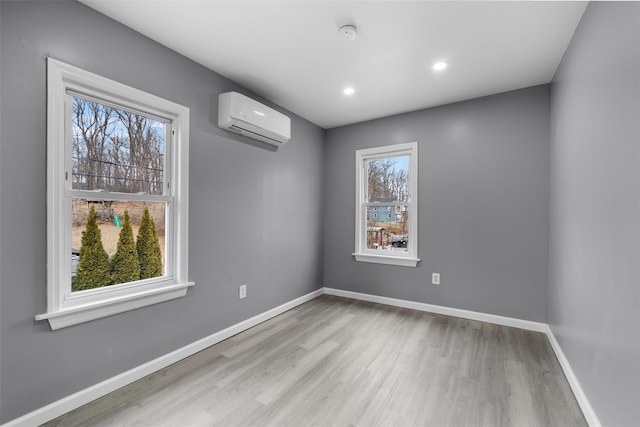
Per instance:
{"type": "Point", "coordinates": [594, 244]}
{"type": "Point", "coordinates": [483, 200]}
{"type": "Point", "coordinates": [484, 208]}
{"type": "Point", "coordinates": [269, 237]}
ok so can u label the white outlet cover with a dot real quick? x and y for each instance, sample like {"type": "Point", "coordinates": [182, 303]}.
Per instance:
{"type": "Point", "coordinates": [435, 278]}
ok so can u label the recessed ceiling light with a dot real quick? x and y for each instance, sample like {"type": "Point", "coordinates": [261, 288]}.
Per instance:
{"type": "Point", "coordinates": [349, 91]}
{"type": "Point", "coordinates": [439, 66]}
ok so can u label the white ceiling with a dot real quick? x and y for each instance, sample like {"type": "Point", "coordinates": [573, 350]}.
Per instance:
{"type": "Point", "coordinates": [292, 53]}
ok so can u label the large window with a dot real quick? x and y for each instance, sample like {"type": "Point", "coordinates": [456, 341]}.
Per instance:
{"type": "Point", "coordinates": [117, 197]}
{"type": "Point", "coordinates": [386, 205]}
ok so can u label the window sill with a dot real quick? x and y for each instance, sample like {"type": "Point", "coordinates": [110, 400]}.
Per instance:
{"type": "Point", "coordinates": [387, 259]}
{"type": "Point", "coordinates": [107, 307]}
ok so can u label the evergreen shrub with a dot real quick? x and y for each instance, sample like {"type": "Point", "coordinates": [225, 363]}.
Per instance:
{"type": "Point", "coordinates": [93, 270]}
{"type": "Point", "coordinates": [124, 264]}
{"type": "Point", "coordinates": [148, 245]}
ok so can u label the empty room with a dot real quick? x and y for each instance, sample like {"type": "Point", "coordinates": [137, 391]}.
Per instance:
{"type": "Point", "coordinates": [319, 213]}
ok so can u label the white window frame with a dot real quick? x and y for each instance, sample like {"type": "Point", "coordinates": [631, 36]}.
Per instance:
{"type": "Point", "coordinates": [65, 308]}
{"type": "Point", "coordinates": [362, 253]}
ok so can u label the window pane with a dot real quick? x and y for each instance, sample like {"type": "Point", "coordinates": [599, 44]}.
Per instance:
{"type": "Point", "coordinates": [388, 227]}
{"type": "Point", "coordinates": [116, 150]}
{"type": "Point", "coordinates": [93, 253]}
{"type": "Point", "coordinates": [388, 180]}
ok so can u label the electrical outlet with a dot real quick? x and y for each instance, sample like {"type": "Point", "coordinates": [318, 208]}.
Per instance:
{"type": "Point", "coordinates": [435, 278]}
{"type": "Point", "coordinates": [242, 292]}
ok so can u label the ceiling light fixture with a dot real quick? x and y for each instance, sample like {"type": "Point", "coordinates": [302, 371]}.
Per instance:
{"type": "Point", "coordinates": [440, 66]}
{"type": "Point", "coordinates": [349, 91]}
{"type": "Point", "coordinates": [349, 31]}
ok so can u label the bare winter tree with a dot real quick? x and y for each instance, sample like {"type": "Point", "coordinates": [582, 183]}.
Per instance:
{"type": "Point", "coordinates": [93, 128]}
{"type": "Point", "coordinates": [386, 182]}
{"type": "Point", "coordinates": [400, 185]}
{"type": "Point", "coordinates": [145, 153]}
{"type": "Point", "coordinates": [121, 168]}
{"type": "Point", "coordinates": [116, 150]}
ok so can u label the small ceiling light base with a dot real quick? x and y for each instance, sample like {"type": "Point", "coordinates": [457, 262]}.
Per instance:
{"type": "Point", "coordinates": [440, 66]}
{"type": "Point", "coordinates": [349, 31]}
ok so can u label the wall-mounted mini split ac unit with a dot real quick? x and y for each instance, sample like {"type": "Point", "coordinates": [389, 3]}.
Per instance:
{"type": "Point", "coordinates": [240, 114]}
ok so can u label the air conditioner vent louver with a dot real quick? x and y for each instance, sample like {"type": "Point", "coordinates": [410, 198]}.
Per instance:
{"type": "Point", "coordinates": [240, 114]}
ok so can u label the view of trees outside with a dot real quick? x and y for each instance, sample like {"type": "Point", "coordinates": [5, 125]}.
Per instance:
{"type": "Point", "coordinates": [387, 197]}
{"type": "Point", "coordinates": [107, 253]}
{"type": "Point", "coordinates": [116, 151]}
{"type": "Point", "coordinates": [93, 269]}
{"type": "Point", "coordinates": [388, 179]}
{"type": "Point", "coordinates": [125, 266]}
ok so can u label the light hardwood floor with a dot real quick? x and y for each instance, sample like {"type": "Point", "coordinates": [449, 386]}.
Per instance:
{"type": "Point", "coordinates": [340, 362]}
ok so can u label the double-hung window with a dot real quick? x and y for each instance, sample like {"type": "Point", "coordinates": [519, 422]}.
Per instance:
{"type": "Point", "coordinates": [387, 205]}
{"type": "Point", "coordinates": [117, 197]}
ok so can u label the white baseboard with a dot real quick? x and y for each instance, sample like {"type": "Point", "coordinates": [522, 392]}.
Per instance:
{"type": "Point", "coordinates": [587, 409]}
{"type": "Point", "coordinates": [89, 394]}
{"type": "Point", "coordinates": [438, 309]}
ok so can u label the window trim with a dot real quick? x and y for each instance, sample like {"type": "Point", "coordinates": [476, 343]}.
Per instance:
{"type": "Point", "coordinates": [373, 256]}
{"type": "Point", "coordinates": [63, 308]}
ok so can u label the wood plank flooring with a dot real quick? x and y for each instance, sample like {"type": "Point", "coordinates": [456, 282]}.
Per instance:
{"type": "Point", "coordinates": [340, 362]}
